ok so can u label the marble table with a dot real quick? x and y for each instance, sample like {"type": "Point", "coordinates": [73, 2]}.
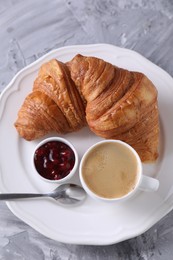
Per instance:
{"type": "Point", "coordinates": [28, 30]}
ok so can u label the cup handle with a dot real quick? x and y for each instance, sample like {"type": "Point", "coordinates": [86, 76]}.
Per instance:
{"type": "Point", "coordinates": [148, 184]}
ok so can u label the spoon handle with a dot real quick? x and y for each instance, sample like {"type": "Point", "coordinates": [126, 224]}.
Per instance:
{"type": "Point", "coordinates": [14, 196]}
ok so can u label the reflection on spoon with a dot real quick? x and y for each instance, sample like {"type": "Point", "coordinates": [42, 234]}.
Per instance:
{"type": "Point", "coordinates": [65, 194]}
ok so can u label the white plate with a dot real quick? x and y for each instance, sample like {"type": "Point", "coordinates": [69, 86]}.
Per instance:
{"type": "Point", "coordinates": [92, 222]}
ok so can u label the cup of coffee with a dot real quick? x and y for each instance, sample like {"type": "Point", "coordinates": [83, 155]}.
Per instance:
{"type": "Point", "coordinates": [111, 170]}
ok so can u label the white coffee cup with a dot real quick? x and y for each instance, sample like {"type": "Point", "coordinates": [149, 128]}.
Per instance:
{"type": "Point", "coordinates": [94, 166]}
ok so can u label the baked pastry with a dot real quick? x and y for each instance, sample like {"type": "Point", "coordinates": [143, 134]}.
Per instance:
{"type": "Point", "coordinates": [115, 103]}
{"type": "Point", "coordinates": [120, 104]}
{"type": "Point", "coordinates": [53, 105]}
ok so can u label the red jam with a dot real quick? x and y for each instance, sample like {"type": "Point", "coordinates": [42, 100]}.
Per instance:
{"type": "Point", "coordinates": [54, 160]}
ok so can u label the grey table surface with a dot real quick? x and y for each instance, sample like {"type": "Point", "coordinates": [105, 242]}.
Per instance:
{"type": "Point", "coordinates": [28, 30]}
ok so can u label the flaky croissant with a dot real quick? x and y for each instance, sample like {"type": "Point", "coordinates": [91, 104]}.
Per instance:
{"type": "Point", "coordinates": [114, 102]}
{"type": "Point", "coordinates": [54, 104]}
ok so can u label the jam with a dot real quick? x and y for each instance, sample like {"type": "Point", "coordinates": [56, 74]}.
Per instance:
{"type": "Point", "coordinates": [54, 160]}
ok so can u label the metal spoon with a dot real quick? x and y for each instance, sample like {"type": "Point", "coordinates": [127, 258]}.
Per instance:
{"type": "Point", "coordinates": [65, 194]}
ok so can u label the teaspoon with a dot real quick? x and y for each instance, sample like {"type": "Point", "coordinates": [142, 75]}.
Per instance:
{"type": "Point", "coordinates": [65, 194]}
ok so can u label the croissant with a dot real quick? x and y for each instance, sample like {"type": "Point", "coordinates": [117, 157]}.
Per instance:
{"type": "Point", "coordinates": [115, 103]}
{"type": "Point", "coordinates": [54, 104]}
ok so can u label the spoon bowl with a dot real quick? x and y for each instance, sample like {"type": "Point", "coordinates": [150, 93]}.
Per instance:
{"type": "Point", "coordinates": [65, 194]}
{"type": "Point", "coordinates": [68, 194]}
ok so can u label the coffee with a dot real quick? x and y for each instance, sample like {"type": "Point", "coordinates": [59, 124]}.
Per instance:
{"type": "Point", "coordinates": [110, 170]}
